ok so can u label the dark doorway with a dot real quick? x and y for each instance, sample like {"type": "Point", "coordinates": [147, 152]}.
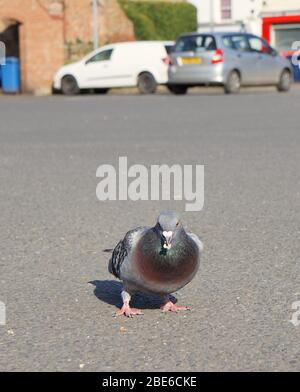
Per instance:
{"type": "Point", "coordinates": [10, 37]}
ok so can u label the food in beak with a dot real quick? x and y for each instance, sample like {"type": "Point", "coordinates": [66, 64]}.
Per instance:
{"type": "Point", "coordinates": [167, 239]}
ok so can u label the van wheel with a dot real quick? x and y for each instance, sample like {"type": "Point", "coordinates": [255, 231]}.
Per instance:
{"type": "Point", "coordinates": [285, 81]}
{"type": "Point", "coordinates": [177, 89]}
{"type": "Point", "coordinates": [146, 83]}
{"type": "Point", "coordinates": [69, 85]}
{"type": "Point", "coordinates": [233, 83]}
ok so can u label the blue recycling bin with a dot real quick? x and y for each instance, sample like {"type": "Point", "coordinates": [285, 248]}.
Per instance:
{"type": "Point", "coordinates": [0, 77]}
{"type": "Point", "coordinates": [11, 75]}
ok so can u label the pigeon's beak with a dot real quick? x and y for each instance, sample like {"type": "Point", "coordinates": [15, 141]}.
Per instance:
{"type": "Point", "coordinates": [167, 237]}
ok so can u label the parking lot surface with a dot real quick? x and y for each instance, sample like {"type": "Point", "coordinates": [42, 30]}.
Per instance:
{"type": "Point", "coordinates": [54, 281]}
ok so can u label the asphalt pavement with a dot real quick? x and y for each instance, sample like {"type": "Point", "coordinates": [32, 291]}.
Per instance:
{"type": "Point", "coordinates": [54, 281]}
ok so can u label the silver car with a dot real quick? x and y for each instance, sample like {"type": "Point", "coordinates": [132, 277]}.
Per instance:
{"type": "Point", "coordinates": [227, 59]}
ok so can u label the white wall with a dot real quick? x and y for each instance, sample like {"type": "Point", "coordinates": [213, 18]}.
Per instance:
{"type": "Point", "coordinates": [244, 12]}
{"type": "Point", "coordinates": [241, 12]}
{"type": "Point", "coordinates": [281, 5]}
{"type": "Point", "coordinates": [197, 4]}
{"type": "Point", "coordinates": [240, 9]}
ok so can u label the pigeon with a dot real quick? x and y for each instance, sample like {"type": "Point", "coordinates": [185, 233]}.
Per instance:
{"type": "Point", "coordinates": [158, 260]}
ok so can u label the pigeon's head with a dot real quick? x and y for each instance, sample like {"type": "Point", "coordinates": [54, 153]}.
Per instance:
{"type": "Point", "coordinates": [168, 225]}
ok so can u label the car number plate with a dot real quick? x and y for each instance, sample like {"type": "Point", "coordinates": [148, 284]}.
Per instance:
{"type": "Point", "coordinates": [191, 60]}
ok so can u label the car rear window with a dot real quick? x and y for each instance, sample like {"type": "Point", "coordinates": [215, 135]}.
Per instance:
{"type": "Point", "coordinates": [195, 43]}
{"type": "Point", "coordinates": [236, 42]}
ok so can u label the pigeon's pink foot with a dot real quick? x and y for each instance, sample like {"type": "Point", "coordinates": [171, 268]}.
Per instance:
{"type": "Point", "coordinates": [127, 311]}
{"type": "Point", "coordinates": [170, 307]}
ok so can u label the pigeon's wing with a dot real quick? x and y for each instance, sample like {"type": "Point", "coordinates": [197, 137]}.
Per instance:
{"type": "Point", "coordinates": [196, 239]}
{"type": "Point", "coordinates": [123, 249]}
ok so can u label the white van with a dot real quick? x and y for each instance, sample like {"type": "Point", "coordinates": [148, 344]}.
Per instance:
{"type": "Point", "coordinates": [127, 64]}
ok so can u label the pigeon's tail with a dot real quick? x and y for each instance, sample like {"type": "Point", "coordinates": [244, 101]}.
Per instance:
{"type": "Point", "coordinates": [116, 259]}
{"type": "Point", "coordinates": [113, 267]}
{"type": "Point", "coordinates": [111, 264]}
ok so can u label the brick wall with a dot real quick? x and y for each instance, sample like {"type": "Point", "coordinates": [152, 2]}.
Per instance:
{"type": "Point", "coordinates": [40, 40]}
{"type": "Point", "coordinates": [47, 26]}
{"type": "Point", "coordinates": [113, 25]}
{"type": "Point", "coordinates": [116, 26]}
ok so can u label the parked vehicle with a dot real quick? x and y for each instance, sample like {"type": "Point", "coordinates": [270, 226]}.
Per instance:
{"type": "Point", "coordinates": [228, 59]}
{"type": "Point", "coordinates": [143, 64]}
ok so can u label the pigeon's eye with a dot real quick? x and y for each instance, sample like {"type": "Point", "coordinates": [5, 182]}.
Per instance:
{"type": "Point", "coordinates": [177, 224]}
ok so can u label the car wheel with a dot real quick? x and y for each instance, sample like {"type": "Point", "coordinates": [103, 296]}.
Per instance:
{"type": "Point", "coordinates": [233, 83]}
{"type": "Point", "coordinates": [285, 81]}
{"type": "Point", "coordinates": [146, 83]}
{"type": "Point", "coordinates": [177, 89]}
{"type": "Point", "coordinates": [69, 85]}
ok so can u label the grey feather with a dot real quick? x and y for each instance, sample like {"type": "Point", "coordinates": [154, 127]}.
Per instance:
{"type": "Point", "coordinates": [197, 240]}
{"type": "Point", "coordinates": [122, 250]}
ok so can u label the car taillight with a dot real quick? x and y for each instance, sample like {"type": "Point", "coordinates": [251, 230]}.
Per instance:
{"type": "Point", "coordinates": [218, 57]}
{"type": "Point", "coordinates": [167, 60]}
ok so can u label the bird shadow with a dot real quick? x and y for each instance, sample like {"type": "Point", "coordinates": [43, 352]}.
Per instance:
{"type": "Point", "coordinates": [109, 291]}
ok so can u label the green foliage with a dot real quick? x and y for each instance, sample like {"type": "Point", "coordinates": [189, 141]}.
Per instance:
{"type": "Point", "coordinates": [159, 20]}
{"type": "Point", "coordinates": [144, 27]}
